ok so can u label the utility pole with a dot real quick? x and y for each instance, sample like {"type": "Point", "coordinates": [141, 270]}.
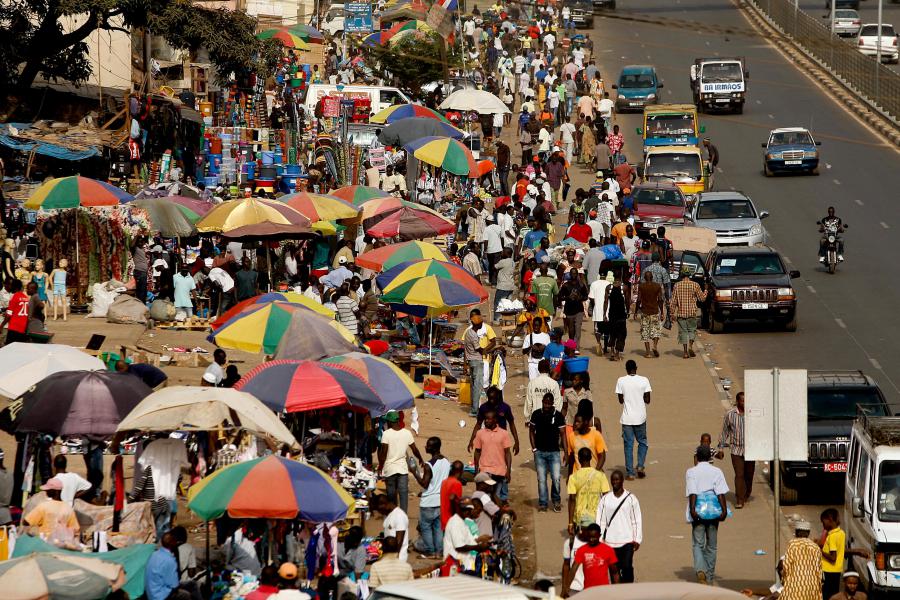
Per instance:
{"type": "Point", "coordinates": [878, 52]}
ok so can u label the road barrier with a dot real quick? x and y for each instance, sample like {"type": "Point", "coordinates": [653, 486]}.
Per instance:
{"type": "Point", "coordinates": [879, 85]}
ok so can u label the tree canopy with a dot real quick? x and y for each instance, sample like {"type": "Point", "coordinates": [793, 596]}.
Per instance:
{"type": "Point", "coordinates": [35, 42]}
{"type": "Point", "coordinates": [414, 60]}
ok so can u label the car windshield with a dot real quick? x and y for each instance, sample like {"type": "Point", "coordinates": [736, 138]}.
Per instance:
{"type": "Point", "coordinates": [670, 125]}
{"type": "Point", "coordinates": [636, 80]}
{"type": "Point", "coordinates": [659, 197]}
{"type": "Point", "coordinates": [889, 491]}
{"type": "Point", "coordinates": [781, 138]}
{"type": "Point", "coordinates": [749, 264]}
{"type": "Point", "coordinates": [872, 30]}
{"type": "Point", "coordinates": [674, 165]}
{"type": "Point", "coordinates": [726, 209]}
{"type": "Point", "coordinates": [822, 404]}
{"type": "Point", "coordinates": [722, 72]}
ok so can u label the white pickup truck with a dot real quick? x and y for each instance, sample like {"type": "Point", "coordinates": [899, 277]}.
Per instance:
{"type": "Point", "coordinates": [719, 83]}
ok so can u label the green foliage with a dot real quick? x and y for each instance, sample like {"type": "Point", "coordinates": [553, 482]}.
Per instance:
{"type": "Point", "coordinates": [35, 42]}
{"type": "Point", "coordinates": [414, 60]}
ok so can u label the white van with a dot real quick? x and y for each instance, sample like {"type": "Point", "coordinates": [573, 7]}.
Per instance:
{"type": "Point", "coordinates": [872, 503]}
{"type": "Point", "coordinates": [333, 22]}
{"type": "Point", "coordinates": [381, 97]}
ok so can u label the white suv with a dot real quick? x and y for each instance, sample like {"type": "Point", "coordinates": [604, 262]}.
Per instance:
{"type": "Point", "coordinates": [868, 41]}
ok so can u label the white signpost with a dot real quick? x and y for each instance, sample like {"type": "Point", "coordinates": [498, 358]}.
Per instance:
{"type": "Point", "coordinates": [775, 424]}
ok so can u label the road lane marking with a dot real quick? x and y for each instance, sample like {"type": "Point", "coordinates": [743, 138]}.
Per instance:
{"type": "Point", "coordinates": [885, 225]}
{"type": "Point", "coordinates": [836, 181]}
{"type": "Point", "coordinates": [858, 201]}
{"type": "Point", "coordinates": [811, 289]}
{"type": "Point", "coordinates": [771, 116]}
{"type": "Point", "coordinates": [827, 165]}
{"type": "Point", "coordinates": [840, 323]}
{"type": "Point", "coordinates": [759, 101]}
{"type": "Point", "coordinates": [875, 363]}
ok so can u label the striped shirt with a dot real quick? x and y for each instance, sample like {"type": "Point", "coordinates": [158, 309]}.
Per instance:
{"type": "Point", "coordinates": [389, 569]}
{"type": "Point", "coordinates": [732, 434]}
{"type": "Point", "coordinates": [346, 313]}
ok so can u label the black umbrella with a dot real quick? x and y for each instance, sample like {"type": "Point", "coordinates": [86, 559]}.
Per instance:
{"type": "Point", "coordinates": [80, 403]}
{"type": "Point", "coordinates": [404, 131]}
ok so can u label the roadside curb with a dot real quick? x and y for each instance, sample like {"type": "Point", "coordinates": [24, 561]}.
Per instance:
{"type": "Point", "coordinates": [839, 90]}
{"type": "Point", "coordinates": [723, 394]}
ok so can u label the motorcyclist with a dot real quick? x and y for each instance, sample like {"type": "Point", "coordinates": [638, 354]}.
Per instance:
{"type": "Point", "coordinates": [831, 222]}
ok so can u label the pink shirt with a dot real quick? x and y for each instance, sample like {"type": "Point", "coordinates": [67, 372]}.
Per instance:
{"type": "Point", "coordinates": [493, 444]}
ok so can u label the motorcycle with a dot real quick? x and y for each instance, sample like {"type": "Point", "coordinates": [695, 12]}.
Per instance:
{"type": "Point", "coordinates": [832, 244]}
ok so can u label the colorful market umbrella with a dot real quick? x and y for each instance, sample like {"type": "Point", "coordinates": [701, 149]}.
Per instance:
{"type": "Point", "coordinates": [416, 33]}
{"type": "Point", "coordinates": [416, 269]}
{"type": "Point", "coordinates": [166, 217]}
{"type": "Point", "coordinates": [446, 153]}
{"type": "Point", "coordinates": [304, 385]}
{"type": "Point", "coordinates": [406, 131]}
{"type": "Point", "coordinates": [376, 38]}
{"type": "Point", "coordinates": [194, 408]}
{"type": "Point", "coordinates": [260, 328]}
{"type": "Point", "coordinates": [320, 207]}
{"type": "Point", "coordinates": [412, 223]}
{"type": "Point", "coordinates": [357, 194]}
{"type": "Point", "coordinates": [255, 218]}
{"type": "Point", "coordinates": [378, 208]}
{"type": "Point", "coordinates": [251, 303]}
{"type": "Point", "coordinates": [411, 25]}
{"type": "Point", "coordinates": [49, 576]}
{"type": "Point", "coordinates": [312, 337]}
{"type": "Point", "coordinates": [307, 32]}
{"type": "Point", "coordinates": [429, 296]}
{"type": "Point", "coordinates": [288, 38]}
{"type": "Point", "coordinates": [80, 403]}
{"type": "Point", "coordinates": [382, 259]}
{"type": "Point", "coordinates": [395, 387]}
{"type": "Point", "coordinates": [193, 208]}
{"type": "Point", "coordinates": [272, 487]}
{"type": "Point", "coordinates": [75, 191]}
{"type": "Point", "coordinates": [24, 365]}
{"type": "Point", "coordinates": [405, 111]}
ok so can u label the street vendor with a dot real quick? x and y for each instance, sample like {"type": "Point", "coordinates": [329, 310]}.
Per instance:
{"type": "Point", "coordinates": [54, 519]}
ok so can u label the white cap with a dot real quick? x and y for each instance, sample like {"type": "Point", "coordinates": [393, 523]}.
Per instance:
{"type": "Point", "coordinates": [342, 260]}
{"type": "Point", "coordinates": [208, 262]}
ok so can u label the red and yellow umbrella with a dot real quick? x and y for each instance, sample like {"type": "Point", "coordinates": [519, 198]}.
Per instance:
{"type": "Point", "coordinates": [446, 153]}
{"type": "Point", "coordinates": [320, 207]}
{"type": "Point", "coordinates": [75, 191]}
{"type": "Point", "coordinates": [255, 218]}
{"type": "Point", "coordinates": [386, 257]}
{"type": "Point", "coordinates": [290, 297]}
{"type": "Point", "coordinates": [413, 222]}
{"type": "Point", "coordinates": [357, 194]}
{"type": "Point", "coordinates": [287, 38]}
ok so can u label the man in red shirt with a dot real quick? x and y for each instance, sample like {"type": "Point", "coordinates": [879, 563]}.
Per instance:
{"type": "Point", "coordinates": [597, 561]}
{"type": "Point", "coordinates": [16, 314]}
{"type": "Point", "coordinates": [268, 584]}
{"type": "Point", "coordinates": [579, 230]}
{"type": "Point", "coordinates": [451, 492]}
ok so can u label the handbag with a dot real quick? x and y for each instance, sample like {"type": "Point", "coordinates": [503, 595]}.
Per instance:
{"type": "Point", "coordinates": [707, 506]}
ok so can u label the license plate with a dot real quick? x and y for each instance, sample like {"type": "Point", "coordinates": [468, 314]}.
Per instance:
{"type": "Point", "coordinates": [634, 104]}
{"type": "Point", "coordinates": [840, 467]}
{"type": "Point", "coordinates": [793, 162]}
{"type": "Point", "coordinates": [754, 306]}
{"type": "Point", "coordinates": [722, 100]}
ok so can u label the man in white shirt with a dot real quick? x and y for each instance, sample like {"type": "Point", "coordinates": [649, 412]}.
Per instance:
{"type": "Point", "coordinates": [619, 517]}
{"type": "Point", "coordinates": [396, 524]}
{"type": "Point", "coordinates": [493, 247]}
{"type": "Point", "coordinates": [215, 372]}
{"type": "Point", "coordinates": [606, 107]}
{"type": "Point", "coordinates": [704, 479]}
{"type": "Point", "coordinates": [597, 308]}
{"type": "Point", "coordinates": [633, 391]}
{"type": "Point", "coordinates": [166, 457]}
{"type": "Point", "coordinates": [392, 459]}
{"type": "Point", "coordinates": [73, 484]}
{"type": "Point", "coordinates": [550, 42]}
{"type": "Point", "coordinates": [223, 283]}
{"type": "Point", "coordinates": [537, 387]}
{"type": "Point", "coordinates": [567, 135]}
{"type": "Point", "coordinates": [459, 543]}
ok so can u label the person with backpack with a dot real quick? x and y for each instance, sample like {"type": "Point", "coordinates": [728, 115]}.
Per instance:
{"type": "Point", "coordinates": [619, 517]}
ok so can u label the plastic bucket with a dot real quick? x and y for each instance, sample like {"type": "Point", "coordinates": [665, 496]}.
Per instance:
{"type": "Point", "coordinates": [291, 170]}
{"type": "Point", "coordinates": [215, 146]}
{"type": "Point", "coordinates": [251, 170]}
{"type": "Point", "coordinates": [268, 157]}
{"type": "Point", "coordinates": [268, 173]}
{"type": "Point", "coordinates": [577, 365]}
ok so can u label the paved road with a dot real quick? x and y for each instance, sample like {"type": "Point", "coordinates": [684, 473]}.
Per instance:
{"type": "Point", "coordinates": [868, 10]}
{"type": "Point", "coordinates": [844, 319]}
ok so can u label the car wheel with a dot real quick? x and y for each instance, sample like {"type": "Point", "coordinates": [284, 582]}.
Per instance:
{"type": "Point", "coordinates": [740, 109]}
{"type": "Point", "coordinates": [716, 326]}
{"type": "Point", "coordinates": [766, 170]}
{"type": "Point", "coordinates": [789, 494]}
{"type": "Point", "coordinates": [814, 171]}
{"type": "Point", "coordinates": [792, 324]}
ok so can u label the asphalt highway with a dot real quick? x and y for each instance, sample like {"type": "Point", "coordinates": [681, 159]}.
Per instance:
{"type": "Point", "coordinates": [847, 320]}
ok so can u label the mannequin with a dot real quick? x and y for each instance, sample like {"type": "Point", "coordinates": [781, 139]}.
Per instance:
{"type": "Point", "coordinates": [7, 260]}
{"type": "Point", "coordinates": [23, 272]}
{"type": "Point", "coordinates": [39, 277]}
{"type": "Point", "coordinates": [58, 278]}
